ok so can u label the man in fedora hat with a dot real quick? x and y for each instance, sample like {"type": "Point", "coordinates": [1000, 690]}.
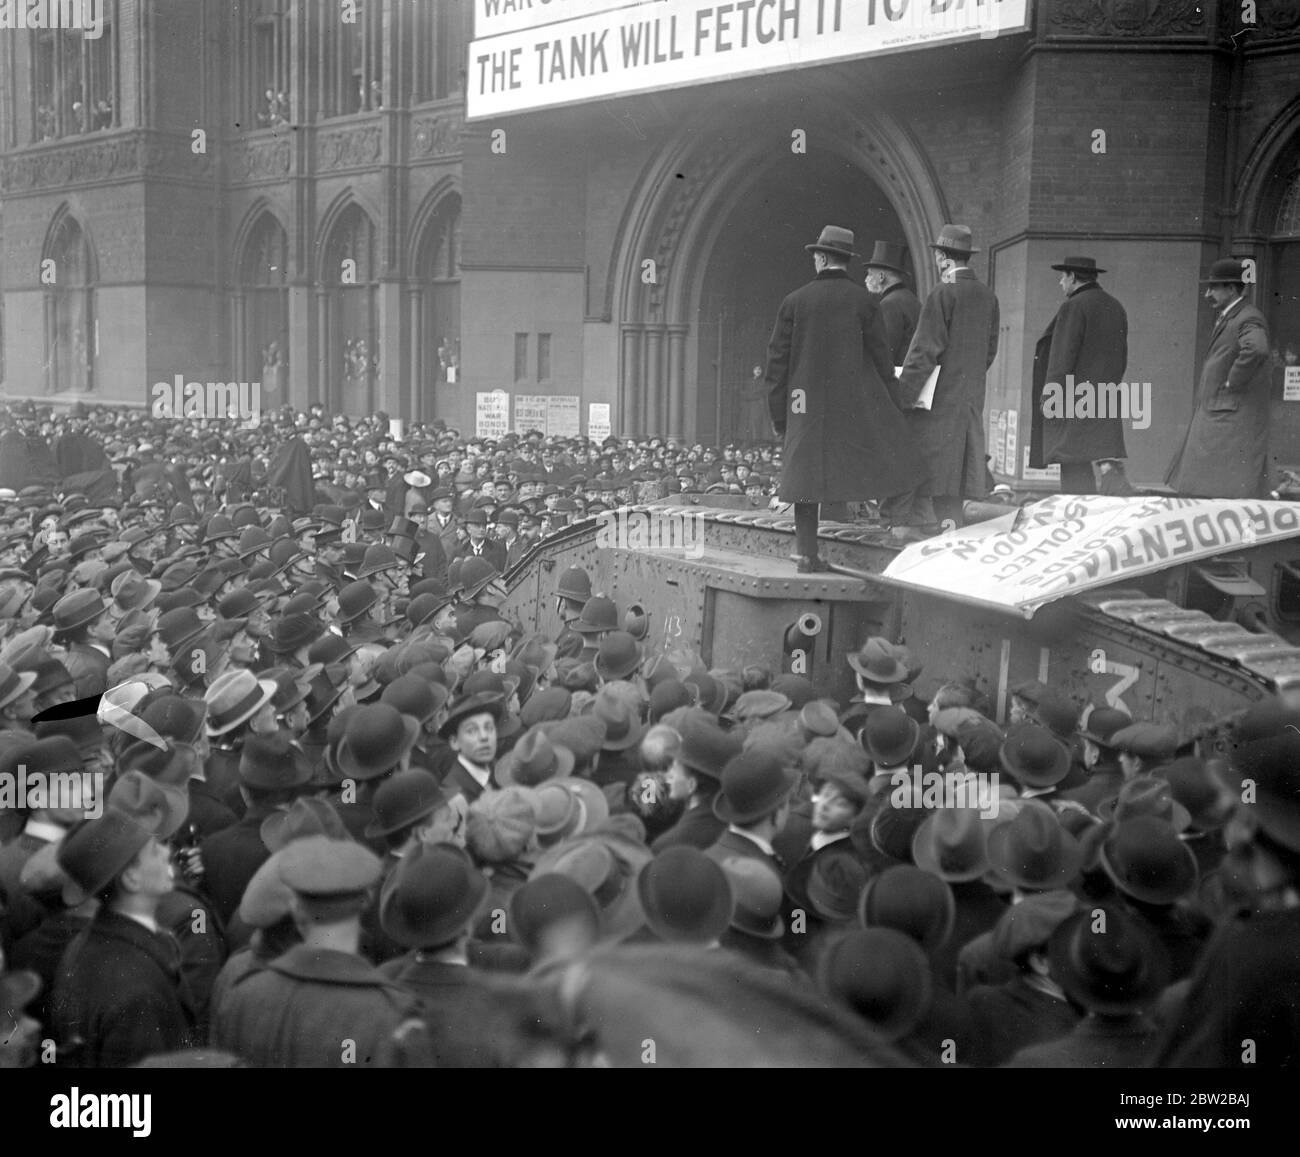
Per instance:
{"type": "Point", "coordinates": [1087, 342]}
{"type": "Point", "coordinates": [1225, 452]}
{"type": "Point", "coordinates": [958, 333]}
{"type": "Point", "coordinates": [899, 306]}
{"type": "Point", "coordinates": [828, 375]}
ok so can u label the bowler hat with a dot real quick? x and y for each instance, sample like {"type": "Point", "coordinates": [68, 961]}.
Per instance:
{"type": "Point", "coordinates": [686, 896]}
{"type": "Point", "coordinates": [890, 736]}
{"type": "Point", "coordinates": [1226, 271]}
{"type": "Point", "coordinates": [1146, 860]}
{"type": "Point", "coordinates": [1035, 756]}
{"type": "Point", "coordinates": [1033, 851]}
{"type": "Point", "coordinates": [1078, 265]}
{"type": "Point", "coordinates": [705, 748]}
{"type": "Point", "coordinates": [878, 662]}
{"type": "Point", "coordinates": [619, 655]}
{"type": "Point", "coordinates": [235, 697]}
{"type": "Point", "coordinates": [910, 900]}
{"type": "Point", "coordinates": [882, 975]}
{"type": "Point", "coordinates": [482, 703]}
{"type": "Point", "coordinates": [1103, 723]}
{"type": "Point", "coordinates": [432, 896]}
{"type": "Point", "coordinates": [887, 255]}
{"type": "Point", "coordinates": [955, 239]}
{"type": "Point", "coordinates": [1106, 961]}
{"type": "Point", "coordinates": [416, 697]}
{"type": "Point", "coordinates": [553, 909]}
{"type": "Point", "coordinates": [375, 740]}
{"type": "Point", "coordinates": [834, 239]}
{"type": "Point", "coordinates": [290, 632]}
{"type": "Point", "coordinates": [355, 600]}
{"type": "Point", "coordinates": [758, 897]}
{"type": "Point", "coordinates": [273, 763]}
{"type": "Point", "coordinates": [1058, 714]}
{"type": "Point", "coordinates": [402, 800]}
{"type": "Point", "coordinates": [754, 784]}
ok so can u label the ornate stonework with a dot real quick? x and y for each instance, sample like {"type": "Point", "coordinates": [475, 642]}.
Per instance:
{"type": "Point", "coordinates": [81, 161]}
{"type": "Point", "coordinates": [350, 148]}
{"type": "Point", "coordinates": [260, 159]}
{"type": "Point", "coordinates": [1118, 18]}
{"type": "Point", "coordinates": [436, 135]}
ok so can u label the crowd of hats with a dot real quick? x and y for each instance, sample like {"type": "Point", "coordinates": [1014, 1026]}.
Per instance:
{"type": "Point", "coordinates": [917, 916]}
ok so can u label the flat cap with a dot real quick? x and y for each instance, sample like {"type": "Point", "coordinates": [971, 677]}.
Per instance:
{"type": "Point", "coordinates": [324, 867]}
{"type": "Point", "coordinates": [1149, 740]}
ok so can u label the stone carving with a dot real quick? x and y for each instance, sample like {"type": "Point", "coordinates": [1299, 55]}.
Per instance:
{"type": "Point", "coordinates": [1127, 17]}
{"type": "Point", "coordinates": [436, 136]}
{"type": "Point", "coordinates": [72, 164]}
{"type": "Point", "coordinates": [252, 160]}
{"type": "Point", "coordinates": [348, 148]}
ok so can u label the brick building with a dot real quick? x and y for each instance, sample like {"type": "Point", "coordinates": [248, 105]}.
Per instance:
{"type": "Point", "coordinates": [348, 236]}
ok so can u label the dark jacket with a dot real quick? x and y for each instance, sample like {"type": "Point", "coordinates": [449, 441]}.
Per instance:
{"type": "Point", "coordinates": [957, 330]}
{"type": "Point", "coordinates": [698, 828]}
{"type": "Point", "coordinates": [116, 998]}
{"type": "Point", "coordinates": [310, 1008]}
{"type": "Point", "coordinates": [1088, 339]}
{"type": "Point", "coordinates": [459, 1008]}
{"type": "Point", "coordinates": [88, 667]}
{"type": "Point", "coordinates": [231, 858]}
{"type": "Point", "coordinates": [899, 308]}
{"type": "Point", "coordinates": [1010, 1017]}
{"type": "Point", "coordinates": [1120, 1042]}
{"type": "Point", "coordinates": [1225, 453]}
{"type": "Point", "coordinates": [844, 436]}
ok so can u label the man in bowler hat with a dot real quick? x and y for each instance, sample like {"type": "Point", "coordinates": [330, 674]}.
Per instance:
{"type": "Point", "coordinates": [1225, 452]}
{"type": "Point", "coordinates": [1085, 343]}
{"type": "Point", "coordinates": [828, 374]}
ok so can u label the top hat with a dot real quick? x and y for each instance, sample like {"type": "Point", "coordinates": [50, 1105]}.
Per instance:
{"type": "Point", "coordinates": [887, 255]}
{"type": "Point", "coordinates": [1225, 271]}
{"type": "Point", "coordinates": [686, 896]}
{"type": "Point", "coordinates": [754, 784]}
{"type": "Point", "coordinates": [955, 239]}
{"type": "Point", "coordinates": [833, 239]}
{"type": "Point", "coordinates": [1078, 265]}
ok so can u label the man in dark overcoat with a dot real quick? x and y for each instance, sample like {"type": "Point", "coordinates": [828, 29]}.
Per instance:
{"type": "Point", "coordinates": [1085, 343]}
{"type": "Point", "coordinates": [1225, 453]}
{"type": "Point", "coordinates": [958, 332]}
{"type": "Point", "coordinates": [828, 364]}
{"type": "Point", "coordinates": [899, 306]}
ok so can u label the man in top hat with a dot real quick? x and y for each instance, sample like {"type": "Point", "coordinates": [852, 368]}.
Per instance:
{"type": "Point", "coordinates": [320, 1004]}
{"type": "Point", "coordinates": [116, 996]}
{"type": "Point", "coordinates": [899, 306]}
{"type": "Point", "coordinates": [828, 375]}
{"type": "Point", "coordinates": [1225, 452]}
{"type": "Point", "coordinates": [1086, 342]}
{"type": "Point", "coordinates": [958, 333]}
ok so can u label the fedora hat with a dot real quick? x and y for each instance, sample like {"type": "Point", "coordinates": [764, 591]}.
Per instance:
{"type": "Point", "coordinates": [623, 727]}
{"type": "Point", "coordinates": [686, 896]}
{"type": "Point", "coordinates": [178, 627]}
{"type": "Point", "coordinates": [878, 662]}
{"type": "Point", "coordinates": [1058, 714]}
{"type": "Point", "coordinates": [834, 883]}
{"type": "Point", "coordinates": [1225, 271]}
{"type": "Point", "coordinates": [402, 800]}
{"type": "Point", "coordinates": [1146, 860]}
{"type": "Point", "coordinates": [234, 698]}
{"type": "Point", "coordinates": [706, 748]}
{"type": "Point", "coordinates": [1209, 804]}
{"type": "Point", "coordinates": [618, 657]}
{"type": "Point", "coordinates": [887, 255]}
{"type": "Point", "coordinates": [1035, 756]}
{"type": "Point", "coordinates": [14, 683]}
{"type": "Point", "coordinates": [172, 765]}
{"type": "Point", "coordinates": [1031, 850]}
{"type": "Point", "coordinates": [77, 609]}
{"type": "Point", "coordinates": [553, 910]}
{"type": "Point", "coordinates": [834, 239]}
{"type": "Point", "coordinates": [548, 704]}
{"type": "Point", "coordinates": [533, 760]}
{"type": "Point", "coordinates": [1146, 795]}
{"type": "Point", "coordinates": [754, 784]}
{"type": "Point", "coordinates": [910, 900]}
{"type": "Point", "coordinates": [889, 736]}
{"type": "Point", "coordinates": [1031, 923]}
{"type": "Point", "coordinates": [1121, 969]}
{"type": "Point", "coordinates": [131, 591]}
{"type": "Point", "coordinates": [306, 816]}
{"type": "Point", "coordinates": [481, 703]}
{"type": "Point", "coordinates": [96, 851]}
{"type": "Point", "coordinates": [1078, 265]}
{"type": "Point", "coordinates": [273, 763]}
{"type": "Point", "coordinates": [951, 844]}
{"type": "Point", "coordinates": [882, 975]}
{"type": "Point", "coordinates": [758, 897]}
{"type": "Point", "coordinates": [606, 864]}
{"type": "Point", "coordinates": [376, 738]}
{"type": "Point", "coordinates": [955, 239]}
{"type": "Point", "coordinates": [160, 807]}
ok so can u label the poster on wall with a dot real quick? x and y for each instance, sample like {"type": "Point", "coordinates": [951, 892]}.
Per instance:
{"type": "Point", "coordinates": [598, 421]}
{"type": "Point", "coordinates": [492, 414]}
{"type": "Point", "coordinates": [563, 415]}
{"type": "Point", "coordinates": [530, 413]}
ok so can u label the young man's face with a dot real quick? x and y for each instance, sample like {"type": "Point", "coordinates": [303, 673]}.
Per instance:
{"type": "Point", "coordinates": [833, 811]}
{"type": "Point", "coordinates": [57, 540]}
{"type": "Point", "coordinates": [476, 739]}
{"type": "Point", "coordinates": [681, 783]}
{"type": "Point", "coordinates": [151, 872]}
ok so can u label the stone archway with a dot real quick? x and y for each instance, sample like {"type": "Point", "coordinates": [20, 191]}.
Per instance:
{"type": "Point", "coordinates": [688, 194]}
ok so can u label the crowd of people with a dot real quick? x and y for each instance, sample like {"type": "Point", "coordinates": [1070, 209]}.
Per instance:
{"type": "Point", "coordinates": [282, 784]}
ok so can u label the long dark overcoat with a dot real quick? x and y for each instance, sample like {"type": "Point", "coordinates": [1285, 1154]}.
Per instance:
{"type": "Point", "coordinates": [846, 438]}
{"type": "Point", "coordinates": [1225, 453]}
{"type": "Point", "coordinates": [957, 330]}
{"type": "Point", "coordinates": [900, 308]}
{"type": "Point", "coordinates": [1087, 338]}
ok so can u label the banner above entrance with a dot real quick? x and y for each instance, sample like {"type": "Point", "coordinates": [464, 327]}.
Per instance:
{"type": "Point", "coordinates": [532, 54]}
{"type": "Point", "coordinates": [1066, 545]}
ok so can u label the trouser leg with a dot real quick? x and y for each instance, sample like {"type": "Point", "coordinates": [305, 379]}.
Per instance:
{"type": "Point", "coordinates": [948, 508]}
{"type": "Point", "coordinates": [909, 509]}
{"type": "Point", "coordinates": [1078, 478]}
{"type": "Point", "coordinates": [805, 529]}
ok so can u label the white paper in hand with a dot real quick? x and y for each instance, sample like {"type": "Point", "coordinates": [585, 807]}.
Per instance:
{"type": "Point", "coordinates": [926, 398]}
